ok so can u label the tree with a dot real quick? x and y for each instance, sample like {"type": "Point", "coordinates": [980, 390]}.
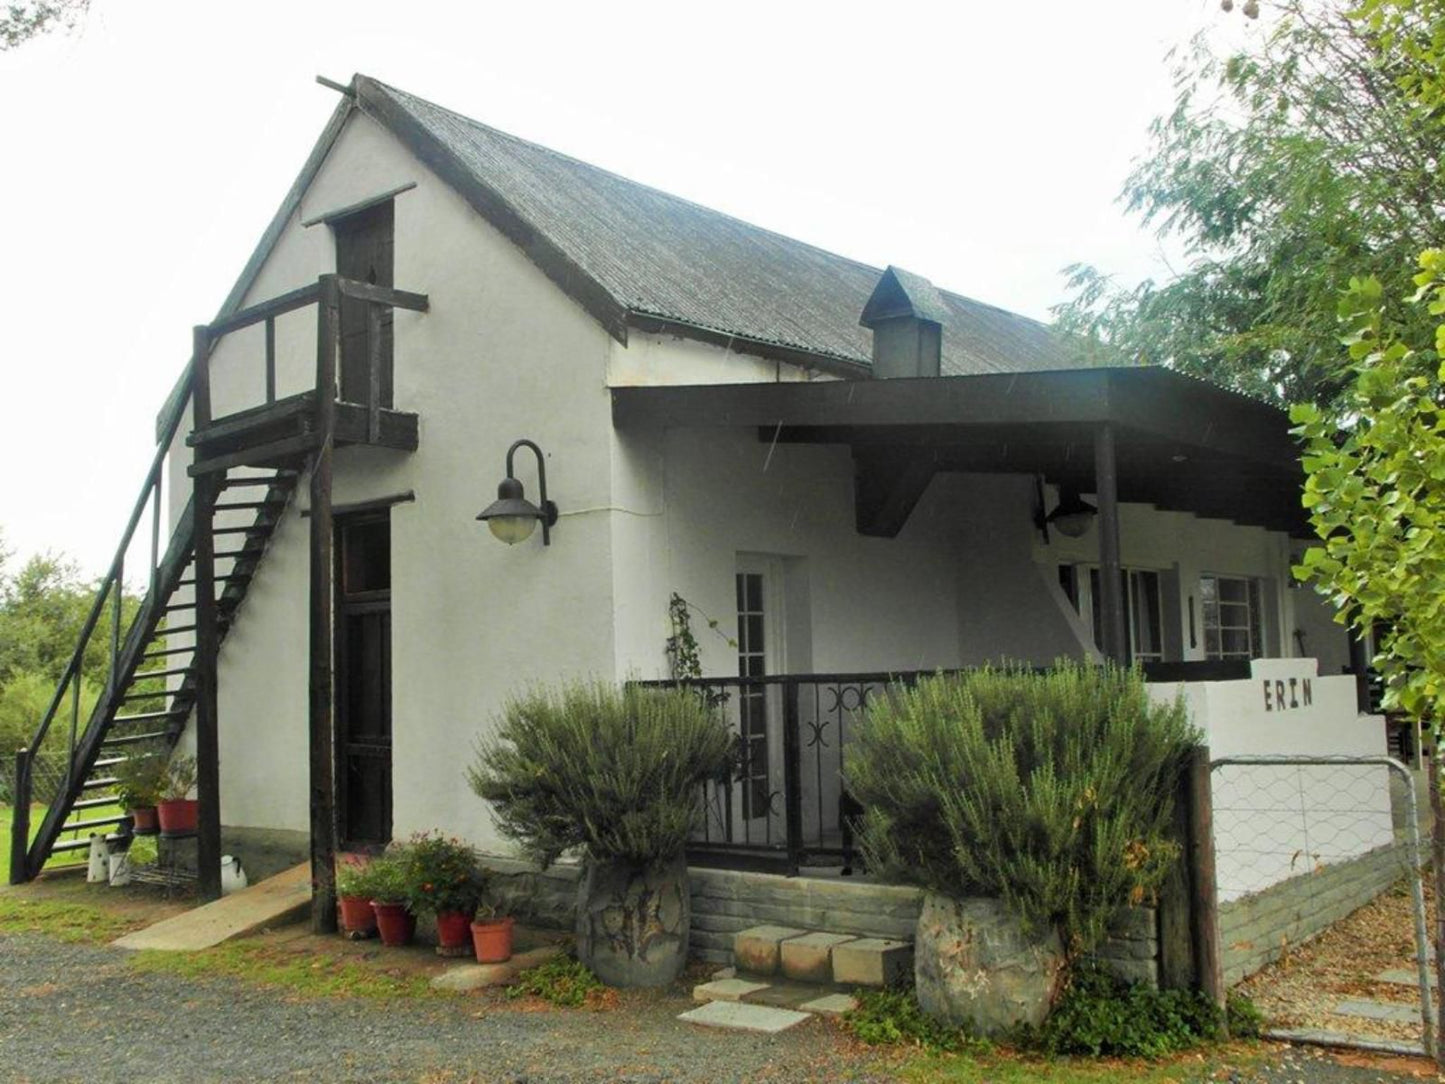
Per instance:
{"type": "Point", "coordinates": [1286, 169]}
{"type": "Point", "coordinates": [20, 21]}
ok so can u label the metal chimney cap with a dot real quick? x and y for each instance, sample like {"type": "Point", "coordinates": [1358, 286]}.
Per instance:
{"type": "Point", "coordinates": [901, 293]}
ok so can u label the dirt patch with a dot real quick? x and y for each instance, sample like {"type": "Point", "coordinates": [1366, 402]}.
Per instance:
{"type": "Point", "coordinates": [1303, 988]}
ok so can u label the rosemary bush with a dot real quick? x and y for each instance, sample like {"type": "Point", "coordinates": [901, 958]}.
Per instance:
{"type": "Point", "coordinates": [1051, 791]}
{"type": "Point", "coordinates": [612, 771]}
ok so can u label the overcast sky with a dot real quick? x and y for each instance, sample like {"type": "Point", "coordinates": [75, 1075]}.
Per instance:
{"type": "Point", "coordinates": [980, 144]}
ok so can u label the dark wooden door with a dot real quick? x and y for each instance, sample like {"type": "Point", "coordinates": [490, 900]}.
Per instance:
{"type": "Point", "coordinates": [363, 679]}
{"type": "Point", "coordinates": [364, 252]}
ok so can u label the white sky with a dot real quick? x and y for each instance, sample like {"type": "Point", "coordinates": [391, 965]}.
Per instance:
{"type": "Point", "coordinates": [981, 145]}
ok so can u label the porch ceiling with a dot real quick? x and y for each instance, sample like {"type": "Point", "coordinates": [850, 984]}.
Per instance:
{"type": "Point", "coordinates": [1181, 444]}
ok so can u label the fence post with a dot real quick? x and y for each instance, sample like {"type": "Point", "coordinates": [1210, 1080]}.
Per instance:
{"type": "Point", "coordinates": [792, 777]}
{"type": "Point", "coordinates": [1203, 886]}
{"type": "Point", "coordinates": [1178, 969]}
{"type": "Point", "coordinates": [20, 826]}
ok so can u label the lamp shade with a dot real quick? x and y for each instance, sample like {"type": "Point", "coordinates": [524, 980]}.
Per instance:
{"type": "Point", "coordinates": [511, 517]}
{"type": "Point", "coordinates": [1073, 515]}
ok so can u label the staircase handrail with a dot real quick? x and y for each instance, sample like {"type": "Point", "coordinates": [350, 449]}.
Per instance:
{"type": "Point", "coordinates": [169, 424]}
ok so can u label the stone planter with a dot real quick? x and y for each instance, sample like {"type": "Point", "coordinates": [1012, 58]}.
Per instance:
{"type": "Point", "coordinates": [633, 922]}
{"type": "Point", "coordinates": [974, 965]}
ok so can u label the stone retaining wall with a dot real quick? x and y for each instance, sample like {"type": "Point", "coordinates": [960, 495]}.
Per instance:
{"type": "Point", "coordinates": [1256, 929]}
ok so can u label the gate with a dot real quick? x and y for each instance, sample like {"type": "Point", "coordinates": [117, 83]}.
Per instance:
{"type": "Point", "coordinates": [1301, 842]}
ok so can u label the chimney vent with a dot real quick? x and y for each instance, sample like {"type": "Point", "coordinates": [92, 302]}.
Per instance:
{"type": "Point", "coordinates": [906, 315]}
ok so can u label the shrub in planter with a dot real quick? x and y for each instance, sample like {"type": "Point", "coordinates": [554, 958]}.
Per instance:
{"type": "Point", "coordinates": [446, 881]}
{"type": "Point", "coordinates": [141, 778]}
{"type": "Point", "coordinates": [389, 879]}
{"type": "Point", "coordinates": [491, 934]}
{"type": "Point", "coordinates": [177, 809]}
{"type": "Point", "coordinates": [354, 891]}
{"type": "Point", "coordinates": [613, 773]}
{"type": "Point", "coordinates": [1050, 792]}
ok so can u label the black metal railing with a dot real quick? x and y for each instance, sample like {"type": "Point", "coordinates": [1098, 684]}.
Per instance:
{"type": "Point", "coordinates": [784, 805]}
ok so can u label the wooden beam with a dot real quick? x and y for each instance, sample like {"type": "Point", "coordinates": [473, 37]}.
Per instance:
{"type": "Point", "coordinates": [888, 484]}
{"type": "Point", "coordinates": [322, 745]}
{"type": "Point", "coordinates": [261, 455]}
{"type": "Point", "coordinates": [360, 205]}
{"type": "Point", "coordinates": [208, 748]}
{"type": "Point", "coordinates": [1208, 954]}
{"type": "Point", "coordinates": [383, 295]}
{"type": "Point", "coordinates": [266, 310]}
{"type": "Point", "coordinates": [1111, 573]}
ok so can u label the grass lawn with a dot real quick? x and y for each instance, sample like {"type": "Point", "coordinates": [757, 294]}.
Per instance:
{"type": "Point", "coordinates": [37, 812]}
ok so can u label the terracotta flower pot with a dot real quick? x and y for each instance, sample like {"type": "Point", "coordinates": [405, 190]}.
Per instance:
{"type": "Point", "coordinates": [394, 922]}
{"type": "Point", "coordinates": [453, 929]}
{"type": "Point", "coordinates": [357, 916]}
{"type": "Point", "coordinates": [145, 820]}
{"type": "Point", "coordinates": [492, 940]}
{"type": "Point", "coordinates": [177, 815]}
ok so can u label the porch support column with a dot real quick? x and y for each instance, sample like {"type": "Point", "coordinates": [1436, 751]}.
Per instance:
{"type": "Point", "coordinates": [208, 751]}
{"type": "Point", "coordinates": [322, 764]}
{"type": "Point", "coordinates": [1111, 576]}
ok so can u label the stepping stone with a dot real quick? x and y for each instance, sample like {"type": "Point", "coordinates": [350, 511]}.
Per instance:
{"type": "Point", "coordinates": [1403, 976]}
{"type": "Point", "coordinates": [872, 961]}
{"type": "Point", "coordinates": [1378, 1010]}
{"type": "Point", "coordinates": [740, 1016]}
{"type": "Point", "coordinates": [830, 1005]}
{"type": "Point", "coordinates": [756, 949]}
{"type": "Point", "coordinates": [726, 990]}
{"type": "Point", "coordinates": [809, 958]}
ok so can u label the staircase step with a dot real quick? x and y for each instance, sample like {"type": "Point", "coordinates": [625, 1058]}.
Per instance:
{"type": "Point", "coordinates": [147, 675]}
{"type": "Point", "coordinates": [726, 990]}
{"type": "Point", "coordinates": [70, 845]}
{"type": "Point", "coordinates": [168, 651]}
{"type": "Point", "coordinates": [107, 762]}
{"type": "Point", "coordinates": [133, 739]}
{"type": "Point", "coordinates": [872, 961]}
{"type": "Point", "coordinates": [282, 477]}
{"type": "Point", "coordinates": [260, 527]}
{"type": "Point", "coordinates": [810, 958]}
{"type": "Point", "coordinates": [92, 803]}
{"type": "Point", "coordinates": [96, 784]}
{"type": "Point", "coordinates": [98, 822]}
{"type": "Point", "coordinates": [758, 949]}
{"type": "Point", "coordinates": [147, 716]}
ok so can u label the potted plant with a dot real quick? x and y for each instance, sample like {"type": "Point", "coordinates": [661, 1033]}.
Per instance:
{"type": "Point", "coordinates": [353, 898]}
{"type": "Point", "coordinates": [139, 781]}
{"type": "Point", "coordinates": [389, 879]}
{"type": "Point", "coordinates": [491, 933]}
{"type": "Point", "coordinates": [446, 881]}
{"type": "Point", "coordinates": [176, 808]}
{"type": "Point", "coordinates": [613, 773]}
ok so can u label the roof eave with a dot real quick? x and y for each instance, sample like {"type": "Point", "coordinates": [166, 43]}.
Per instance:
{"type": "Point", "coordinates": [654, 323]}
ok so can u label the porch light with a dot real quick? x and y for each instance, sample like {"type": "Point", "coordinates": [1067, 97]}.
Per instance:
{"type": "Point", "coordinates": [511, 517]}
{"type": "Point", "coordinates": [1072, 516]}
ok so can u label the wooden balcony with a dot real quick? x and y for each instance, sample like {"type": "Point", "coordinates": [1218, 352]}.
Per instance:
{"type": "Point", "coordinates": [353, 356]}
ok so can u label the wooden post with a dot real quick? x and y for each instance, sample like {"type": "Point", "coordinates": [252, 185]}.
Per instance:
{"type": "Point", "coordinates": [208, 745]}
{"type": "Point", "coordinates": [1205, 890]}
{"type": "Point", "coordinates": [1177, 967]}
{"type": "Point", "coordinates": [20, 826]}
{"type": "Point", "coordinates": [792, 777]}
{"type": "Point", "coordinates": [323, 815]}
{"type": "Point", "coordinates": [1437, 862]}
{"type": "Point", "coordinates": [1111, 575]}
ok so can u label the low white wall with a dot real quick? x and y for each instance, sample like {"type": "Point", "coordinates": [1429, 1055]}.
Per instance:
{"type": "Point", "coordinates": [1275, 822]}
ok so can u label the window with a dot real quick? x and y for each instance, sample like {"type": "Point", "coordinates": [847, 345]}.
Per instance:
{"type": "Point", "coordinates": [1231, 614]}
{"type": "Point", "coordinates": [1143, 610]}
{"type": "Point", "coordinates": [753, 647]}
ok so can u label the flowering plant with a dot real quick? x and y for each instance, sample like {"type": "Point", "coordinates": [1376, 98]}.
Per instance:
{"type": "Point", "coordinates": [445, 874]}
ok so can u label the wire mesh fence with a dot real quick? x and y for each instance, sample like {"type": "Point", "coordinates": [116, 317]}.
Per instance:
{"type": "Point", "coordinates": [1301, 843]}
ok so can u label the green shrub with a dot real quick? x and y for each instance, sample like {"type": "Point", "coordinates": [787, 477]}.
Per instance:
{"type": "Point", "coordinates": [613, 771]}
{"type": "Point", "coordinates": [1245, 1019]}
{"type": "Point", "coordinates": [561, 981]}
{"type": "Point", "coordinates": [180, 778]}
{"type": "Point", "coordinates": [893, 1017]}
{"type": "Point", "coordinates": [387, 877]}
{"type": "Point", "coordinates": [1052, 791]}
{"type": "Point", "coordinates": [1103, 1016]}
{"type": "Point", "coordinates": [142, 776]}
{"type": "Point", "coordinates": [353, 878]}
{"type": "Point", "coordinates": [445, 874]}
{"type": "Point", "coordinates": [24, 698]}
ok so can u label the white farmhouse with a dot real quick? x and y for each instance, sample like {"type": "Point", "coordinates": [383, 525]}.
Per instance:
{"type": "Point", "coordinates": [854, 473]}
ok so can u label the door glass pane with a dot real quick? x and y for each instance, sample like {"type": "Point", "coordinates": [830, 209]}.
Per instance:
{"type": "Point", "coordinates": [753, 702]}
{"type": "Point", "coordinates": [366, 556]}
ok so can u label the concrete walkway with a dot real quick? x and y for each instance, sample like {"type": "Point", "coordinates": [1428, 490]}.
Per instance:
{"type": "Point", "coordinates": [271, 902]}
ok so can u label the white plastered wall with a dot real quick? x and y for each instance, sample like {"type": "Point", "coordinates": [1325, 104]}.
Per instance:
{"type": "Point", "coordinates": [501, 354]}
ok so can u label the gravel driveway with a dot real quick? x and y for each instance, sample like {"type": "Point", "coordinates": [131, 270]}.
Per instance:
{"type": "Point", "coordinates": [80, 1013]}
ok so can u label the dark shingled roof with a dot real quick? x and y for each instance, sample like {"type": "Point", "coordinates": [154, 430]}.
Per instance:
{"type": "Point", "coordinates": [656, 255]}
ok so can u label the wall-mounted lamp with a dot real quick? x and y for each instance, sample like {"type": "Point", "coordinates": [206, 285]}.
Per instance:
{"type": "Point", "coordinates": [513, 518]}
{"type": "Point", "coordinates": [1072, 516]}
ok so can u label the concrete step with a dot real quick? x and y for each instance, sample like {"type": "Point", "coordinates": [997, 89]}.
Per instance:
{"type": "Point", "coordinates": [742, 987]}
{"type": "Point", "coordinates": [1378, 1010]}
{"type": "Point", "coordinates": [819, 957]}
{"type": "Point", "coordinates": [739, 1016]}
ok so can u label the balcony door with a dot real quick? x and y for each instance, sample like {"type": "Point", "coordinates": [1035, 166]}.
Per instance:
{"type": "Point", "coordinates": [365, 243]}
{"type": "Point", "coordinates": [363, 679]}
{"type": "Point", "coordinates": [758, 787]}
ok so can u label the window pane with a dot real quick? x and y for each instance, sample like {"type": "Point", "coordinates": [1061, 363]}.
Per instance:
{"type": "Point", "coordinates": [1233, 590]}
{"type": "Point", "coordinates": [754, 598]}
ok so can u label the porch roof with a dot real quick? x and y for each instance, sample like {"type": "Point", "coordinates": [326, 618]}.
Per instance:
{"type": "Point", "coordinates": [1182, 444]}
